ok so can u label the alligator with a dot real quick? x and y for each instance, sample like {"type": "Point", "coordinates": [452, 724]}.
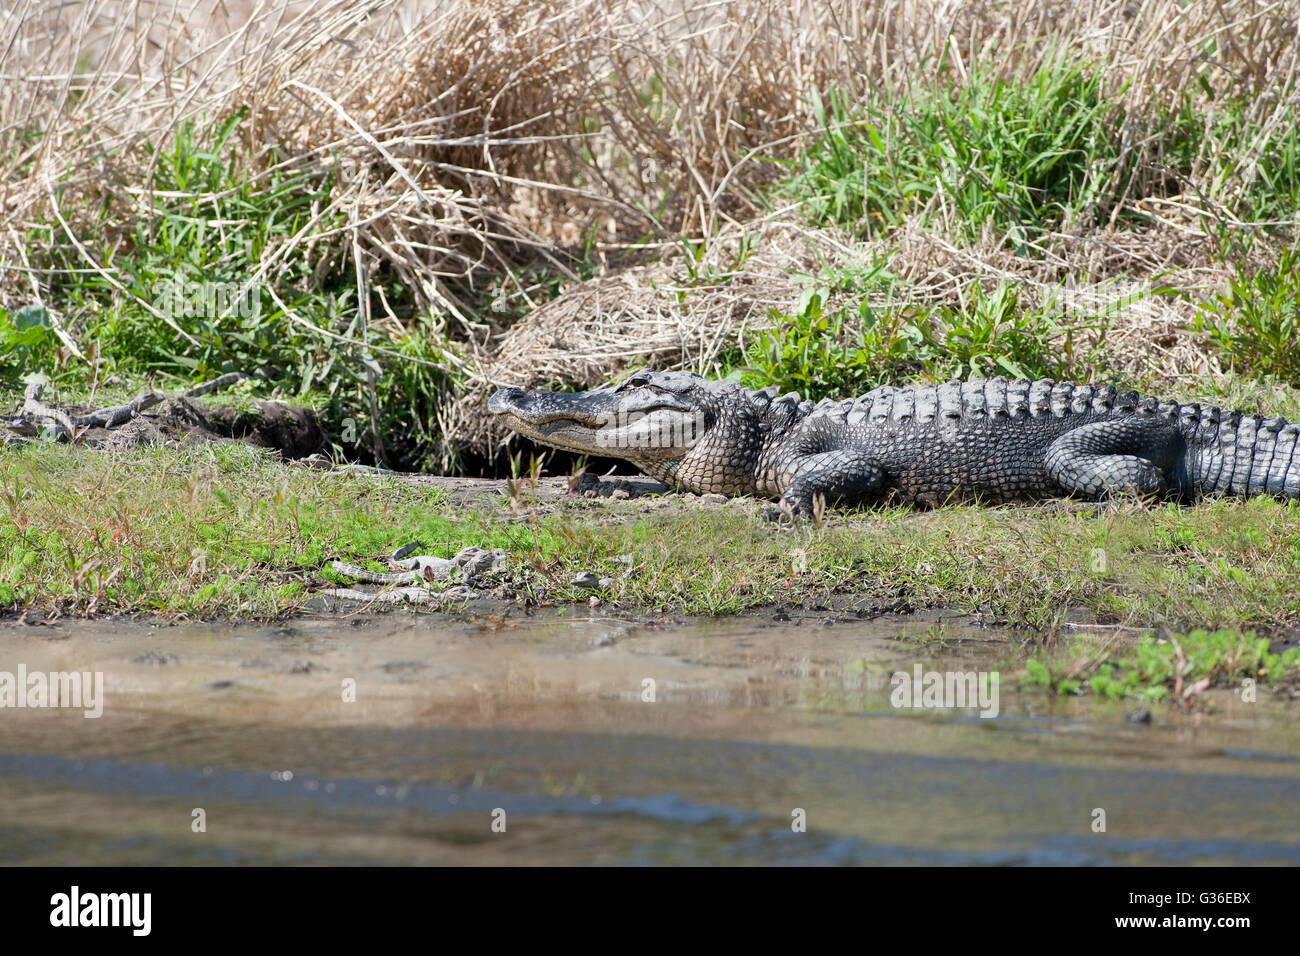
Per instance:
{"type": "Point", "coordinates": [990, 440]}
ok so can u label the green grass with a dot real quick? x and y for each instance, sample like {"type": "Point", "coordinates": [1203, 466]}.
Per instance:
{"type": "Point", "coordinates": [1254, 170]}
{"type": "Point", "coordinates": [1021, 158]}
{"type": "Point", "coordinates": [1158, 668]}
{"type": "Point", "coordinates": [213, 531]}
{"type": "Point", "coordinates": [207, 223]}
{"type": "Point", "coordinates": [228, 532]}
{"type": "Point", "coordinates": [1033, 157]}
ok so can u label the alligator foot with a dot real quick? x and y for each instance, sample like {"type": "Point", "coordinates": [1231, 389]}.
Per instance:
{"type": "Point", "coordinates": [789, 513]}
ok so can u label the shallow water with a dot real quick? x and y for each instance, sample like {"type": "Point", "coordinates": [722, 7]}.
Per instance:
{"type": "Point", "coordinates": [540, 723]}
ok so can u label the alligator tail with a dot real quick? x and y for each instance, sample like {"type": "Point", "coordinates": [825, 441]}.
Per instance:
{"type": "Point", "coordinates": [1234, 454]}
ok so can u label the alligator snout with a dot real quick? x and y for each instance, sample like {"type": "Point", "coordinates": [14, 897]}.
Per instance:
{"type": "Point", "coordinates": [542, 407]}
{"type": "Point", "coordinates": [506, 400]}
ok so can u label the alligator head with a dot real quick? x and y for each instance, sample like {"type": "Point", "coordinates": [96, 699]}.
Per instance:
{"type": "Point", "coordinates": [678, 427]}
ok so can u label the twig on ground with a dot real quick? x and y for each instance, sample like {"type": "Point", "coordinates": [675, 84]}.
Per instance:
{"type": "Point", "coordinates": [217, 384]}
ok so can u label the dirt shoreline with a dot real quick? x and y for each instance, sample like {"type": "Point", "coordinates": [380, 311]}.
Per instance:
{"type": "Point", "coordinates": [546, 661]}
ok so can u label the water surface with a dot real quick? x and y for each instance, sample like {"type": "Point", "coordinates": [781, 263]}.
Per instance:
{"type": "Point", "coordinates": [543, 724]}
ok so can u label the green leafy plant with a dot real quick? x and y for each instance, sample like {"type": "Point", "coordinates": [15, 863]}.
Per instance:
{"type": "Point", "coordinates": [1256, 322]}
{"type": "Point", "coordinates": [27, 342]}
{"type": "Point", "coordinates": [995, 335]}
{"type": "Point", "coordinates": [822, 350]}
{"type": "Point", "coordinates": [873, 337]}
{"type": "Point", "coordinates": [1022, 157]}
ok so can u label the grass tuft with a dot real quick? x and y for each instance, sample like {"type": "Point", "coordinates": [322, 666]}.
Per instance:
{"type": "Point", "coordinates": [1021, 157]}
{"type": "Point", "coordinates": [1164, 667]}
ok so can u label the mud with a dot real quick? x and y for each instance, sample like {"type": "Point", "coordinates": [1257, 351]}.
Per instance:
{"type": "Point", "coordinates": [624, 493]}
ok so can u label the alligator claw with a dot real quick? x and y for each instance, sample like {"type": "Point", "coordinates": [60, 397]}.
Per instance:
{"type": "Point", "coordinates": [783, 512]}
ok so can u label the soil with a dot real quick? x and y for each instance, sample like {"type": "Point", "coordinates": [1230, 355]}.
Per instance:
{"type": "Point", "coordinates": [293, 431]}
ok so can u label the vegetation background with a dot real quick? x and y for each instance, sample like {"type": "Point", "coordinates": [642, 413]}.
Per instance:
{"type": "Point", "coordinates": [387, 209]}
{"type": "Point", "coordinates": [420, 202]}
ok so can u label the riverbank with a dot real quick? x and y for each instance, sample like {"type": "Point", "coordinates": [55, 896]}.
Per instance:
{"type": "Point", "coordinates": [228, 531]}
{"type": "Point", "coordinates": [231, 533]}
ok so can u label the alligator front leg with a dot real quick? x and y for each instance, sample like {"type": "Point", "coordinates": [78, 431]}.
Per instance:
{"type": "Point", "coordinates": [1131, 455]}
{"type": "Point", "coordinates": [843, 476]}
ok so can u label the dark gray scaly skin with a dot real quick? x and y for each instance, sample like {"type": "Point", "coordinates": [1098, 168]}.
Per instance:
{"type": "Point", "coordinates": [991, 440]}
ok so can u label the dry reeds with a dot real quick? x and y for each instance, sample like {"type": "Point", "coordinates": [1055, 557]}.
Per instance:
{"type": "Point", "coordinates": [466, 137]}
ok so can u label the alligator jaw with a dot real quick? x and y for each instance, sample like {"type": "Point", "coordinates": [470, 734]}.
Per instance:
{"type": "Point", "coordinates": [554, 418]}
{"type": "Point", "coordinates": [637, 426]}
{"type": "Point", "coordinates": [538, 408]}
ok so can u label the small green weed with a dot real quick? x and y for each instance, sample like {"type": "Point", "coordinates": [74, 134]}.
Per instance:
{"type": "Point", "coordinates": [1255, 324]}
